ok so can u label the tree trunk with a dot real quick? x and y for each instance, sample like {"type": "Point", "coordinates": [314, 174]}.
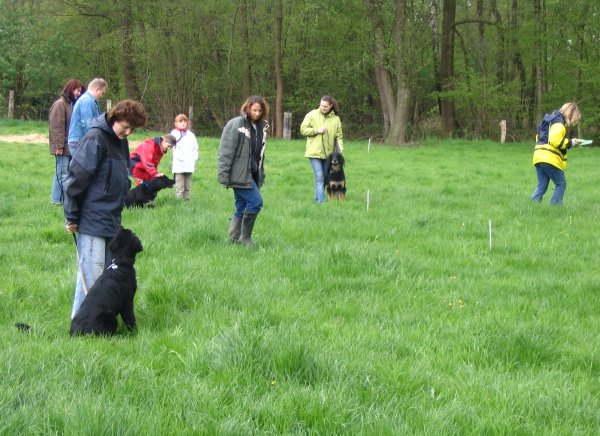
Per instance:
{"type": "Point", "coordinates": [245, 48]}
{"type": "Point", "coordinates": [525, 120]}
{"type": "Point", "coordinates": [482, 42]}
{"type": "Point", "coordinates": [399, 124]}
{"type": "Point", "coordinates": [539, 87]}
{"type": "Point", "coordinates": [278, 75]}
{"type": "Point", "coordinates": [394, 104]}
{"type": "Point", "coordinates": [435, 46]}
{"type": "Point", "coordinates": [129, 65]}
{"type": "Point", "coordinates": [501, 62]}
{"type": "Point", "coordinates": [447, 67]}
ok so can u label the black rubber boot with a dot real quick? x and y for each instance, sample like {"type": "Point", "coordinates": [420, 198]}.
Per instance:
{"type": "Point", "coordinates": [235, 227]}
{"type": "Point", "coordinates": [247, 226]}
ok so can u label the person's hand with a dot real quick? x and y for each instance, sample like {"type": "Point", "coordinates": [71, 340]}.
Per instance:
{"type": "Point", "coordinates": [70, 227]}
{"type": "Point", "coordinates": [321, 130]}
{"type": "Point", "coordinates": [575, 141]}
{"type": "Point", "coordinates": [159, 175]}
{"type": "Point", "coordinates": [60, 151]}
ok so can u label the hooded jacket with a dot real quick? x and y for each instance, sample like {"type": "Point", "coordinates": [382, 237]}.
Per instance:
{"type": "Point", "coordinates": [234, 165]}
{"type": "Point", "coordinates": [145, 159]}
{"type": "Point", "coordinates": [552, 142]}
{"type": "Point", "coordinates": [59, 119]}
{"type": "Point", "coordinates": [321, 145]}
{"type": "Point", "coordinates": [98, 181]}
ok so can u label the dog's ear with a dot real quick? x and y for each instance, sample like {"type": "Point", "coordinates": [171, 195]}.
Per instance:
{"type": "Point", "coordinates": [115, 242]}
{"type": "Point", "coordinates": [134, 244]}
{"type": "Point", "coordinates": [341, 159]}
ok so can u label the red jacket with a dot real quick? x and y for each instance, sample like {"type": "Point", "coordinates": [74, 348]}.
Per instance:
{"type": "Point", "coordinates": [145, 159]}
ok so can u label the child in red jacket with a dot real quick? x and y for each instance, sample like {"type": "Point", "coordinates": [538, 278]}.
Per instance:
{"type": "Point", "coordinates": [146, 157]}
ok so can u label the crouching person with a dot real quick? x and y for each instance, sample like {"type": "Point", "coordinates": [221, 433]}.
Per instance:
{"type": "Point", "coordinates": [144, 160]}
{"type": "Point", "coordinates": [241, 165]}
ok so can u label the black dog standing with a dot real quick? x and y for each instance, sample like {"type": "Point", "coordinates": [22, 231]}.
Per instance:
{"type": "Point", "coordinates": [335, 179]}
{"type": "Point", "coordinates": [113, 292]}
{"type": "Point", "coordinates": [143, 194]}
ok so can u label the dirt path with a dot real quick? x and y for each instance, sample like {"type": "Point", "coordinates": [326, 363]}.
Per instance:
{"type": "Point", "coordinates": [35, 138]}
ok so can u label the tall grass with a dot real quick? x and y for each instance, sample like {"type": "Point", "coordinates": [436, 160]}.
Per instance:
{"type": "Point", "coordinates": [395, 320]}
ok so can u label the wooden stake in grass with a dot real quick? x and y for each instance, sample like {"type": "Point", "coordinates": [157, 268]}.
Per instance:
{"type": "Point", "coordinates": [490, 230]}
{"type": "Point", "coordinates": [368, 199]}
{"type": "Point", "coordinates": [369, 146]}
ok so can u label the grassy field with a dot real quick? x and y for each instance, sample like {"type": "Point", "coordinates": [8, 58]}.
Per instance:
{"type": "Point", "coordinates": [399, 319]}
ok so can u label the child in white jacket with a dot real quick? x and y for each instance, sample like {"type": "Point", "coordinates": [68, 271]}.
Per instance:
{"type": "Point", "coordinates": [185, 155]}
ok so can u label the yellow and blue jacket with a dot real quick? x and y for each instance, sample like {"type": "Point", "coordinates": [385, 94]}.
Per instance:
{"type": "Point", "coordinates": [552, 143]}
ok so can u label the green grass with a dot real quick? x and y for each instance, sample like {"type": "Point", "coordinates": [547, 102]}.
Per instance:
{"type": "Point", "coordinates": [395, 320]}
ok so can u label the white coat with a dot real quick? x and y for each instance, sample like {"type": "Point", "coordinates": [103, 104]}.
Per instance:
{"type": "Point", "coordinates": [185, 152]}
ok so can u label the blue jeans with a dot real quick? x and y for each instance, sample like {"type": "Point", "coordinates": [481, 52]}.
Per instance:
{"type": "Point", "coordinates": [247, 200]}
{"type": "Point", "coordinates": [60, 177]}
{"type": "Point", "coordinates": [318, 167]}
{"type": "Point", "coordinates": [546, 172]}
{"type": "Point", "coordinates": [93, 258]}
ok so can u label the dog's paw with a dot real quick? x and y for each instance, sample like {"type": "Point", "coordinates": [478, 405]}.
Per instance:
{"type": "Point", "coordinates": [23, 327]}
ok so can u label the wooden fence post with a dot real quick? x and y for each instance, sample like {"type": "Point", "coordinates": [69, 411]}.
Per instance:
{"type": "Point", "coordinates": [11, 104]}
{"type": "Point", "coordinates": [190, 116]}
{"type": "Point", "coordinates": [287, 125]}
{"type": "Point", "coordinates": [502, 131]}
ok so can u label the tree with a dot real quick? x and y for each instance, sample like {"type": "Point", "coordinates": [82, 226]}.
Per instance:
{"type": "Point", "coordinates": [394, 92]}
{"type": "Point", "coordinates": [278, 73]}
{"type": "Point", "coordinates": [447, 68]}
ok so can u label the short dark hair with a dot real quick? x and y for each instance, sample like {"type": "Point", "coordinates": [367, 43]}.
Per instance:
{"type": "Point", "coordinates": [169, 138]}
{"type": "Point", "coordinates": [71, 86]}
{"type": "Point", "coordinates": [252, 100]}
{"type": "Point", "coordinates": [128, 110]}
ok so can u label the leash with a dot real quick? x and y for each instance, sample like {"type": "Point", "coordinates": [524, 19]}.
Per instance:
{"type": "Point", "coordinates": [85, 288]}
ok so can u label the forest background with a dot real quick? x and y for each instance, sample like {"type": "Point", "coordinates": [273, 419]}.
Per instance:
{"type": "Point", "coordinates": [401, 70]}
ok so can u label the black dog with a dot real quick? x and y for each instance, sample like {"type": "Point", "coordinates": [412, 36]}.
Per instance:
{"type": "Point", "coordinates": [144, 193]}
{"type": "Point", "coordinates": [113, 292]}
{"type": "Point", "coordinates": [335, 179]}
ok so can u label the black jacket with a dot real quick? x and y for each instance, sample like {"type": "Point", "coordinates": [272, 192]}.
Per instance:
{"type": "Point", "coordinates": [98, 181]}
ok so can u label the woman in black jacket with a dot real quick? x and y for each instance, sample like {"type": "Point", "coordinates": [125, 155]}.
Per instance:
{"type": "Point", "coordinates": [96, 186]}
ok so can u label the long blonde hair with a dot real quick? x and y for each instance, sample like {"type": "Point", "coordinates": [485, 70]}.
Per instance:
{"type": "Point", "coordinates": [571, 113]}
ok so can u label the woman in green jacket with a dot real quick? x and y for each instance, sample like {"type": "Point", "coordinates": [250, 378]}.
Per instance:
{"type": "Point", "coordinates": [322, 128]}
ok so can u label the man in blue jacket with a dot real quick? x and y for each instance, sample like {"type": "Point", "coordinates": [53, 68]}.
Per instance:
{"type": "Point", "coordinates": [85, 110]}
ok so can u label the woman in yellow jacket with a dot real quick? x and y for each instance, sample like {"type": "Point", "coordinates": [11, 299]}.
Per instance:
{"type": "Point", "coordinates": [553, 140]}
{"type": "Point", "coordinates": [322, 127]}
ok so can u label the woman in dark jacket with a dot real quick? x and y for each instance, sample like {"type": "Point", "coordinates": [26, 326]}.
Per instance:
{"type": "Point", "coordinates": [241, 165]}
{"type": "Point", "coordinates": [97, 183]}
{"type": "Point", "coordinates": [59, 118]}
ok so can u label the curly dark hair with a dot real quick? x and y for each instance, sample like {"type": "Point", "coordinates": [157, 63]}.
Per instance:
{"type": "Point", "coordinates": [128, 110]}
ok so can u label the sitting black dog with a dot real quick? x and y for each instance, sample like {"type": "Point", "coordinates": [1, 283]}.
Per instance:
{"type": "Point", "coordinates": [335, 179]}
{"type": "Point", "coordinates": [145, 193]}
{"type": "Point", "coordinates": [113, 292]}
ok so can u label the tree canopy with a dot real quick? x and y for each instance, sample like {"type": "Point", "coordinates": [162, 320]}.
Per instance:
{"type": "Point", "coordinates": [400, 69]}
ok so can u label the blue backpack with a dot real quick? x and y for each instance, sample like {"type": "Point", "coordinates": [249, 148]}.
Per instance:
{"type": "Point", "coordinates": [547, 121]}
